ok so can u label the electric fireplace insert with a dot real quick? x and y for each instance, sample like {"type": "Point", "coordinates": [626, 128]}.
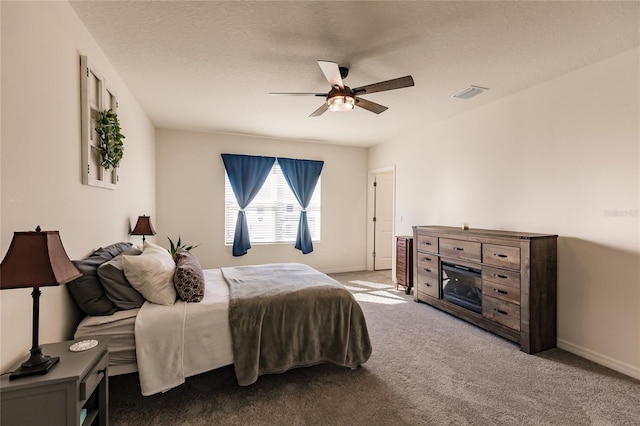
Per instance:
{"type": "Point", "coordinates": [462, 285]}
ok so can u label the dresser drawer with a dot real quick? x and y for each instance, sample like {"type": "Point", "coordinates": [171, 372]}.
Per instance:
{"type": "Point", "coordinates": [427, 285]}
{"type": "Point", "coordinates": [427, 258]}
{"type": "Point", "coordinates": [505, 256]}
{"type": "Point", "coordinates": [501, 276]}
{"type": "Point", "coordinates": [502, 292]}
{"type": "Point", "coordinates": [458, 249]}
{"type": "Point", "coordinates": [428, 265]}
{"type": "Point", "coordinates": [401, 262]}
{"type": "Point", "coordinates": [502, 312]}
{"type": "Point", "coordinates": [401, 265]}
{"type": "Point", "coordinates": [427, 243]}
{"type": "Point", "coordinates": [93, 378]}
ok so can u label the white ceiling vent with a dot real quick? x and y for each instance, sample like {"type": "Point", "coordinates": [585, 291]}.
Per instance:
{"type": "Point", "coordinates": [470, 92]}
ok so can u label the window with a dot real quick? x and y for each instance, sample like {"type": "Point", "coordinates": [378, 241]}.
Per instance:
{"type": "Point", "coordinates": [274, 213]}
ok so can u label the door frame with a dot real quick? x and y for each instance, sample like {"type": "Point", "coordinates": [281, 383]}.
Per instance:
{"type": "Point", "coordinates": [370, 209]}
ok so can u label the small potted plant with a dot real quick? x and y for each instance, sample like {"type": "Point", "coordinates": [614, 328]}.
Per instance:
{"type": "Point", "coordinates": [174, 247]}
{"type": "Point", "coordinates": [109, 139]}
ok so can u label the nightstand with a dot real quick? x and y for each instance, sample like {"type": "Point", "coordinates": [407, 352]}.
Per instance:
{"type": "Point", "coordinates": [76, 389]}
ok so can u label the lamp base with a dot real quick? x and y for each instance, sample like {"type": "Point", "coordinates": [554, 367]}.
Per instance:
{"type": "Point", "coordinates": [32, 370]}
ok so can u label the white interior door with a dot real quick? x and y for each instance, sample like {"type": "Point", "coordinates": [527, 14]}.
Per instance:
{"type": "Point", "coordinates": [383, 221]}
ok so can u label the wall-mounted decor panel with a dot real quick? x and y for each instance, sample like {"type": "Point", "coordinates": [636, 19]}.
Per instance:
{"type": "Point", "coordinates": [95, 96]}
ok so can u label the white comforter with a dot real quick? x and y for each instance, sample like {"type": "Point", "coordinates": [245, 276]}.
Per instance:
{"type": "Point", "coordinates": [185, 339]}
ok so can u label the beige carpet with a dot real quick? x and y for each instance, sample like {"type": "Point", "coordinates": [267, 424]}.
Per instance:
{"type": "Point", "coordinates": [427, 368]}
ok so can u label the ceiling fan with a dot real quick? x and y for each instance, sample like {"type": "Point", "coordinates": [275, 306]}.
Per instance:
{"type": "Point", "coordinates": [343, 98]}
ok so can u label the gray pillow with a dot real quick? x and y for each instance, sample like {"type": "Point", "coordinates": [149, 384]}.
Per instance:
{"type": "Point", "coordinates": [189, 277]}
{"type": "Point", "coordinates": [86, 290]}
{"type": "Point", "coordinates": [116, 286]}
{"type": "Point", "coordinates": [117, 248]}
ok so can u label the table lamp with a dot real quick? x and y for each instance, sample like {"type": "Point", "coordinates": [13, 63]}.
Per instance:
{"type": "Point", "coordinates": [143, 227]}
{"type": "Point", "coordinates": [36, 259]}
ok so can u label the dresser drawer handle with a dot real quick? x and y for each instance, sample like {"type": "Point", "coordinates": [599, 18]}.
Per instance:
{"type": "Point", "coordinates": [459, 248]}
{"type": "Point", "coordinates": [504, 277]}
{"type": "Point", "coordinates": [427, 284]}
{"type": "Point", "coordinates": [427, 269]}
{"type": "Point", "coordinates": [426, 259]}
{"type": "Point", "coordinates": [427, 243]}
{"type": "Point", "coordinates": [497, 290]}
{"type": "Point", "coordinates": [500, 255]}
{"type": "Point", "coordinates": [501, 311]}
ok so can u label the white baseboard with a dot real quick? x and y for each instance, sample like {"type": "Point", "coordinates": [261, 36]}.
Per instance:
{"type": "Point", "coordinates": [598, 358]}
{"type": "Point", "coordinates": [345, 269]}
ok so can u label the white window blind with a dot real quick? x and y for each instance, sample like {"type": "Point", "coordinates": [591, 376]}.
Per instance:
{"type": "Point", "coordinates": [274, 213]}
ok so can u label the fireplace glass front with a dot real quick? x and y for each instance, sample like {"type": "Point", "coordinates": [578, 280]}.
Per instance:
{"type": "Point", "coordinates": [462, 285]}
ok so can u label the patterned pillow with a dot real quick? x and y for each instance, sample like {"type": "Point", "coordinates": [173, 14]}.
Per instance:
{"type": "Point", "coordinates": [189, 277]}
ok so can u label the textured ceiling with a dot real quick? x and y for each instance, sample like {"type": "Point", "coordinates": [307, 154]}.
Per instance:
{"type": "Point", "coordinates": [209, 66]}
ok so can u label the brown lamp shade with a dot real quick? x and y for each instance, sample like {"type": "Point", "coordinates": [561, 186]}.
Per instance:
{"type": "Point", "coordinates": [36, 259]}
{"type": "Point", "coordinates": [143, 227]}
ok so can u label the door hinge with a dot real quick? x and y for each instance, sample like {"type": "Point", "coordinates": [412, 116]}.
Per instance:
{"type": "Point", "coordinates": [373, 254]}
{"type": "Point", "coordinates": [375, 183]}
{"type": "Point", "coordinates": [374, 219]}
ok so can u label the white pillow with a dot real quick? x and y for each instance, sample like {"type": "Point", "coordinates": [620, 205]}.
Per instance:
{"type": "Point", "coordinates": [151, 273]}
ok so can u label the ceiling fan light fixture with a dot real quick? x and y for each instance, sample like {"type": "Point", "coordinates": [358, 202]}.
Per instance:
{"type": "Point", "coordinates": [341, 102]}
{"type": "Point", "coordinates": [343, 98]}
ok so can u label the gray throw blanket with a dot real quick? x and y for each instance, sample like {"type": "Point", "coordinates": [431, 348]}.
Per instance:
{"type": "Point", "coordinates": [289, 315]}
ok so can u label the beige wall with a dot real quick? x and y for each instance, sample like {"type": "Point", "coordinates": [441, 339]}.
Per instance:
{"type": "Point", "coordinates": [561, 157]}
{"type": "Point", "coordinates": [40, 154]}
{"type": "Point", "coordinates": [190, 178]}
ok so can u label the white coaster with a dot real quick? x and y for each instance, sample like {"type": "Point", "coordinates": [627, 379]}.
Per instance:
{"type": "Point", "coordinates": [83, 345]}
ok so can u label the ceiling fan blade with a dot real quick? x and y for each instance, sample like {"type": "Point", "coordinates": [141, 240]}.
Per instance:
{"type": "Point", "coordinates": [396, 83]}
{"type": "Point", "coordinates": [324, 95]}
{"type": "Point", "coordinates": [370, 106]}
{"type": "Point", "coordinates": [331, 71]}
{"type": "Point", "coordinates": [320, 110]}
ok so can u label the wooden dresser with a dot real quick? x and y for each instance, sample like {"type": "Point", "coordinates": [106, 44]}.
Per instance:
{"type": "Point", "coordinates": [404, 263]}
{"type": "Point", "coordinates": [516, 276]}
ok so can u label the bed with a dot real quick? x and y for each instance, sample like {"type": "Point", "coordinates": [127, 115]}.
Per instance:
{"type": "Point", "coordinates": [263, 319]}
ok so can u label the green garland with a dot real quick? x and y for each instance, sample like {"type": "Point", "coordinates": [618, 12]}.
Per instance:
{"type": "Point", "coordinates": [109, 139]}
